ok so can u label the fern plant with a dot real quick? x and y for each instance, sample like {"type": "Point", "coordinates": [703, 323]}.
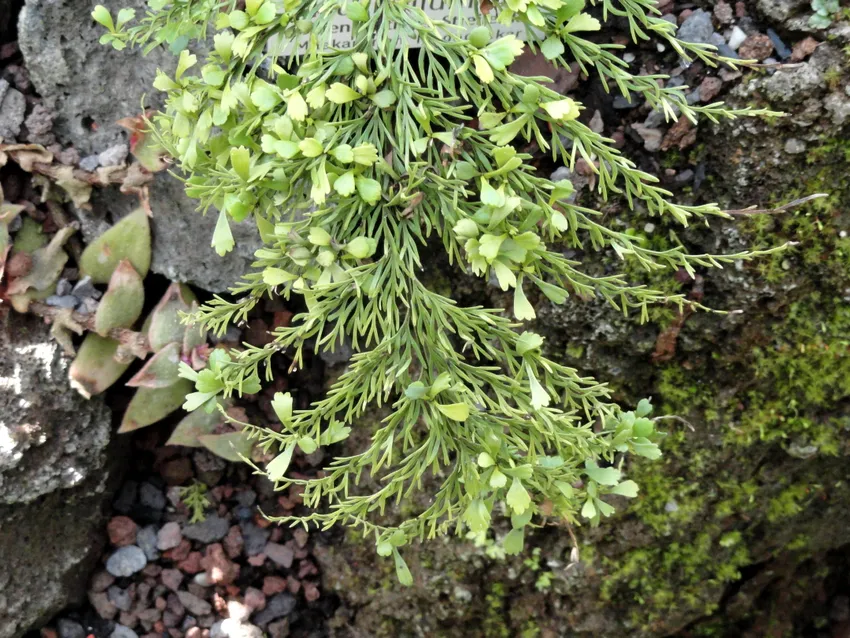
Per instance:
{"type": "Point", "coordinates": [349, 161]}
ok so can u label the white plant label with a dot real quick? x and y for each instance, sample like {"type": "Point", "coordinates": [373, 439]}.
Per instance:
{"type": "Point", "coordinates": [341, 37]}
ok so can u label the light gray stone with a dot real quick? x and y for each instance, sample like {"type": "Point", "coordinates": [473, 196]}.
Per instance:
{"type": "Point", "coordinates": [697, 27]}
{"type": "Point", "coordinates": [13, 106]}
{"type": "Point", "coordinates": [126, 561]}
{"type": "Point", "coordinates": [55, 478]}
{"type": "Point", "coordinates": [89, 87]}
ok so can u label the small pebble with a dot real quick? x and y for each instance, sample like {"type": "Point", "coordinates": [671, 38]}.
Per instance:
{"type": "Point", "coordinates": [171, 578]}
{"type": "Point", "coordinates": [169, 536]}
{"type": "Point", "coordinates": [781, 48]}
{"type": "Point", "coordinates": [146, 538]}
{"type": "Point", "coordinates": [276, 607]}
{"type": "Point", "coordinates": [213, 529]}
{"type": "Point", "coordinates": [120, 598]}
{"type": "Point", "coordinates": [122, 631]}
{"type": "Point", "coordinates": [794, 146]}
{"type": "Point", "coordinates": [736, 38]}
{"type": "Point", "coordinates": [90, 163]}
{"type": "Point", "coordinates": [194, 604]}
{"type": "Point", "coordinates": [70, 629]}
{"type": "Point", "coordinates": [126, 561]}
{"type": "Point", "coordinates": [280, 554]}
{"type": "Point", "coordinates": [114, 155]}
{"type": "Point", "coordinates": [64, 301]}
{"type": "Point", "coordinates": [152, 497]}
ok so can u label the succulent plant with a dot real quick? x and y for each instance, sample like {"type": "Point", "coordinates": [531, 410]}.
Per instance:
{"type": "Point", "coordinates": [129, 239]}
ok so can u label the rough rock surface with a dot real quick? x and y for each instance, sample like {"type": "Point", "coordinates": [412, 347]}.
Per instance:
{"type": "Point", "coordinates": [54, 478]}
{"type": "Point", "coordinates": [90, 87]}
{"type": "Point", "coordinates": [750, 498]}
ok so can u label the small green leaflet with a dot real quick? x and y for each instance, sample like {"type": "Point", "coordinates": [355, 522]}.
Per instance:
{"type": "Point", "coordinates": [278, 466]}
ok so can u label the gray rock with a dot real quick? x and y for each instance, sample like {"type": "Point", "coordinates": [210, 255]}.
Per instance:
{"type": "Point", "coordinates": [55, 478]}
{"type": "Point", "coordinates": [90, 84]}
{"type": "Point", "coordinates": [120, 598]}
{"type": "Point", "coordinates": [62, 301]}
{"type": "Point", "coordinates": [254, 537]}
{"type": "Point", "coordinates": [276, 607]}
{"type": "Point", "coordinates": [779, 45]}
{"type": "Point", "coordinates": [214, 528]}
{"type": "Point", "coordinates": [152, 497]}
{"type": "Point", "coordinates": [122, 631]}
{"type": "Point", "coordinates": [280, 554]}
{"type": "Point", "coordinates": [90, 163]}
{"type": "Point", "coordinates": [114, 155]}
{"type": "Point", "coordinates": [126, 561]}
{"type": "Point", "coordinates": [67, 628]}
{"type": "Point", "coordinates": [13, 106]}
{"type": "Point", "coordinates": [147, 539]}
{"type": "Point", "coordinates": [697, 27]}
{"type": "Point", "coordinates": [194, 604]}
{"type": "Point", "coordinates": [795, 146]}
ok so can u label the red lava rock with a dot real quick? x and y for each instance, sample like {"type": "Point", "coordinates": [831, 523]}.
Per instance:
{"type": "Point", "coordinates": [171, 578]}
{"type": "Point", "coordinates": [279, 628]}
{"type": "Point", "coordinates": [181, 552]}
{"type": "Point", "coordinates": [307, 568]}
{"type": "Point", "coordinates": [177, 471]}
{"type": "Point", "coordinates": [684, 15]}
{"type": "Point", "coordinates": [535, 64]}
{"type": "Point", "coordinates": [802, 50]}
{"type": "Point", "coordinates": [709, 88]}
{"type": "Point", "coordinates": [255, 599]}
{"type": "Point", "coordinates": [280, 554]}
{"type": "Point", "coordinates": [49, 632]}
{"type": "Point", "coordinates": [233, 590]}
{"type": "Point", "coordinates": [192, 564]}
{"type": "Point", "coordinates": [122, 531]}
{"type": "Point", "coordinates": [159, 626]}
{"type": "Point", "coordinates": [175, 606]}
{"type": "Point", "coordinates": [681, 135]}
{"type": "Point", "coordinates": [257, 561]}
{"type": "Point", "coordinates": [219, 603]}
{"type": "Point", "coordinates": [101, 604]}
{"type": "Point", "coordinates": [311, 592]}
{"type": "Point", "coordinates": [152, 570]}
{"type": "Point", "coordinates": [756, 47]}
{"type": "Point", "coordinates": [723, 12]}
{"type": "Point", "coordinates": [220, 570]}
{"type": "Point", "coordinates": [233, 542]}
{"type": "Point", "coordinates": [175, 633]}
{"type": "Point", "coordinates": [740, 10]}
{"type": "Point", "coordinates": [193, 632]}
{"type": "Point", "coordinates": [276, 535]}
{"type": "Point", "coordinates": [273, 585]}
{"type": "Point", "coordinates": [160, 603]}
{"type": "Point", "coordinates": [293, 584]}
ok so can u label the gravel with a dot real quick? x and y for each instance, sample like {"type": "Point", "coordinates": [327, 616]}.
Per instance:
{"type": "Point", "coordinates": [126, 561]}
